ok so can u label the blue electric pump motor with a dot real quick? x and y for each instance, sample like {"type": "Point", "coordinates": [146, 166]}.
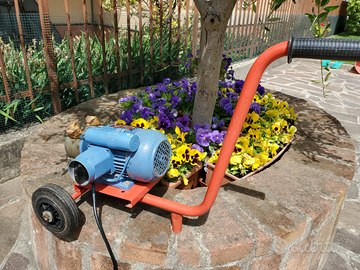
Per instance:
{"type": "Point", "coordinates": [117, 156]}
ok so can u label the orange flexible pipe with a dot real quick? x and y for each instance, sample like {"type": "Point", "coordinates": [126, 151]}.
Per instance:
{"type": "Point", "coordinates": [242, 107]}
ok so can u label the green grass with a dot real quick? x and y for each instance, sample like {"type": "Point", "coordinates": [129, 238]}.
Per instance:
{"type": "Point", "coordinates": [346, 35]}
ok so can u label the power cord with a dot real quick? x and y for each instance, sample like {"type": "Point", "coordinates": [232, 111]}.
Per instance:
{"type": "Point", "coordinates": [101, 229]}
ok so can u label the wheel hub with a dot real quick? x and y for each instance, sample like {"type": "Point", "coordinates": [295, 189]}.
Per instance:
{"type": "Point", "coordinates": [47, 216]}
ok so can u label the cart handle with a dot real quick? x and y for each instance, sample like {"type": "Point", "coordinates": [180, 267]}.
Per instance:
{"type": "Point", "coordinates": [324, 48]}
{"type": "Point", "coordinates": [295, 48]}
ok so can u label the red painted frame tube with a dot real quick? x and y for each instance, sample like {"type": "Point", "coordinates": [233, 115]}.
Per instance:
{"type": "Point", "coordinates": [242, 107]}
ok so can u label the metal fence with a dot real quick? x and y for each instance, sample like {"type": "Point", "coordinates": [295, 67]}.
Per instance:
{"type": "Point", "coordinates": [52, 62]}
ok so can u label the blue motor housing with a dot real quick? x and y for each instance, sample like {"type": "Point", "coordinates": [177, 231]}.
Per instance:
{"type": "Point", "coordinates": [118, 155]}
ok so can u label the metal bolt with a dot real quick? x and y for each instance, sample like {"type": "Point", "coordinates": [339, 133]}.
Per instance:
{"type": "Point", "coordinates": [127, 183]}
{"type": "Point", "coordinates": [47, 216]}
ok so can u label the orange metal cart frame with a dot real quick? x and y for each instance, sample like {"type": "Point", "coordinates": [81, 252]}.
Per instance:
{"type": "Point", "coordinates": [139, 192]}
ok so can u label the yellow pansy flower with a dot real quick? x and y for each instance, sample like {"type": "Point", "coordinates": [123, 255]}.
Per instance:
{"type": "Point", "coordinates": [181, 135]}
{"type": "Point", "coordinates": [283, 105]}
{"type": "Point", "coordinates": [214, 158]}
{"type": "Point", "coordinates": [276, 128]}
{"type": "Point", "coordinates": [183, 152]}
{"type": "Point", "coordinates": [292, 130]}
{"type": "Point", "coordinates": [263, 157]}
{"type": "Point", "coordinates": [236, 160]}
{"type": "Point", "coordinates": [185, 180]}
{"type": "Point", "coordinates": [173, 173]}
{"type": "Point", "coordinates": [267, 131]}
{"type": "Point", "coordinates": [176, 161]}
{"type": "Point", "coordinates": [254, 134]}
{"type": "Point", "coordinates": [273, 113]}
{"type": "Point", "coordinates": [154, 122]}
{"type": "Point", "coordinates": [196, 156]}
{"type": "Point", "coordinates": [120, 122]}
{"type": "Point", "coordinates": [274, 148]}
{"type": "Point", "coordinates": [254, 163]}
{"type": "Point", "coordinates": [141, 123]}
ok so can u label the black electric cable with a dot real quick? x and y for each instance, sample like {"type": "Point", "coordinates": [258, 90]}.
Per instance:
{"type": "Point", "coordinates": [101, 229]}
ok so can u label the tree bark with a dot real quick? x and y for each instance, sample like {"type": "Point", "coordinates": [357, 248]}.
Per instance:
{"type": "Point", "coordinates": [215, 15]}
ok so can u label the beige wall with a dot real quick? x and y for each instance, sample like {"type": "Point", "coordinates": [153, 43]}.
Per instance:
{"type": "Point", "coordinates": [57, 10]}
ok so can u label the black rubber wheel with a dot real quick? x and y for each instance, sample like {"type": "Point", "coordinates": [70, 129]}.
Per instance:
{"type": "Point", "coordinates": [56, 210]}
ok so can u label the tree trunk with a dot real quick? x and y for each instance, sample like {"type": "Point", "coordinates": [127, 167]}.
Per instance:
{"type": "Point", "coordinates": [215, 15]}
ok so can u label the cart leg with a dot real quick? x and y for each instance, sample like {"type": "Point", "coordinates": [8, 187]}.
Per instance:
{"type": "Point", "coordinates": [176, 221]}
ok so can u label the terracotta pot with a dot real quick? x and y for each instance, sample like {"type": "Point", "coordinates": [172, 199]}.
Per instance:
{"type": "Point", "coordinates": [193, 177]}
{"type": "Point", "coordinates": [228, 178]}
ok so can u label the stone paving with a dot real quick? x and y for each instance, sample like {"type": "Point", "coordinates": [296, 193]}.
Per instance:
{"type": "Point", "coordinates": [343, 102]}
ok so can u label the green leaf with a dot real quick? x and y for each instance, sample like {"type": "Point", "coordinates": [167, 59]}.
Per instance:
{"type": "Point", "coordinates": [7, 116]}
{"type": "Point", "coordinates": [327, 76]}
{"type": "Point", "coordinates": [315, 81]}
{"type": "Point", "coordinates": [310, 16]}
{"type": "Point", "coordinates": [326, 68]}
{"type": "Point", "coordinates": [331, 8]}
{"type": "Point", "coordinates": [38, 117]}
{"type": "Point", "coordinates": [324, 2]}
{"type": "Point", "coordinates": [37, 109]}
{"type": "Point", "coordinates": [322, 15]}
{"type": "Point", "coordinates": [274, 19]}
{"type": "Point", "coordinates": [317, 2]}
{"type": "Point", "coordinates": [266, 28]}
{"type": "Point", "coordinates": [254, 7]}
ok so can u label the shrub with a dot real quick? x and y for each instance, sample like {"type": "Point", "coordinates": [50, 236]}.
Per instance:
{"type": "Point", "coordinates": [353, 22]}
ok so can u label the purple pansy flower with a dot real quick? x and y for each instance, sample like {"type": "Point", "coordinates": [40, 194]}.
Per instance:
{"type": "Point", "coordinates": [197, 126]}
{"type": "Point", "coordinates": [228, 108]}
{"type": "Point", "coordinates": [166, 81]}
{"type": "Point", "coordinates": [216, 124]}
{"type": "Point", "coordinates": [135, 107]}
{"type": "Point", "coordinates": [158, 102]}
{"type": "Point", "coordinates": [145, 112]}
{"type": "Point", "coordinates": [177, 84]}
{"type": "Point", "coordinates": [162, 88]}
{"type": "Point", "coordinates": [232, 95]}
{"type": "Point", "coordinates": [203, 137]}
{"type": "Point", "coordinates": [164, 121]}
{"type": "Point", "coordinates": [185, 120]}
{"type": "Point", "coordinates": [224, 101]}
{"type": "Point", "coordinates": [124, 99]}
{"type": "Point", "coordinates": [217, 137]}
{"type": "Point", "coordinates": [134, 98]}
{"type": "Point", "coordinates": [175, 100]}
{"type": "Point", "coordinates": [261, 90]}
{"type": "Point", "coordinates": [185, 83]}
{"type": "Point", "coordinates": [238, 85]}
{"type": "Point", "coordinates": [152, 97]}
{"type": "Point", "coordinates": [255, 107]}
{"type": "Point", "coordinates": [126, 116]}
{"type": "Point", "coordinates": [197, 147]}
{"type": "Point", "coordinates": [182, 127]}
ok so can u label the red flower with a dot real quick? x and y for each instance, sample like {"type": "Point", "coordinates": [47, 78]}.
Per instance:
{"type": "Point", "coordinates": [322, 24]}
